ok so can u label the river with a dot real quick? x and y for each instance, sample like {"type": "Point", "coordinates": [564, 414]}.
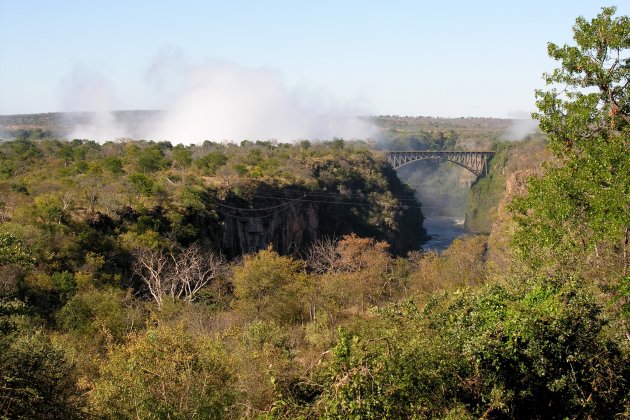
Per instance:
{"type": "Point", "coordinates": [443, 230]}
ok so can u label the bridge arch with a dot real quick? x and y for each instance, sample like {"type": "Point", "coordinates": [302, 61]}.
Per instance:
{"type": "Point", "coordinates": [474, 161]}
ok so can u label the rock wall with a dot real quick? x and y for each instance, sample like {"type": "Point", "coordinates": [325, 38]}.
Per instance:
{"type": "Point", "coordinates": [509, 169]}
{"type": "Point", "coordinates": [293, 229]}
{"type": "Point", "coordinates": [287, 232]}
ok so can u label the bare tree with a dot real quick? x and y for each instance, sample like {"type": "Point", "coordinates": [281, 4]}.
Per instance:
{"type": "Point", "coordinates": [323, 256]}
{"type": "Point", "coordinates": [151, 266]}
{"type": "Point", "coordinates": [194, 269]}
{"type": "Point", "coordinates": [178, 273]}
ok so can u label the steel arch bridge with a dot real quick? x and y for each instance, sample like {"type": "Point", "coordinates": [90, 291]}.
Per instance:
{"type": "Point", "coordinates": [475, 161]}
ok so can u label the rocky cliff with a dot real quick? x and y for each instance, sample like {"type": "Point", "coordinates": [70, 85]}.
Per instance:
{"type": "Point", "coordinates": [290, 219]}
{"type": "Point", "coordinates": [488, 207]}
{"type": "Point", "coordinates": [512, 164]}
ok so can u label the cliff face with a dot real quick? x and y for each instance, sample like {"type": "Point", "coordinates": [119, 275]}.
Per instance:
{"type": "Point", "coordinates": [488, 207]}
{"type": "Point", "coordinates": [509, 169]}
{"type": "Point", "coordinates": [305, 216]}
{"type": "Point", "coordinates": [287, 232]}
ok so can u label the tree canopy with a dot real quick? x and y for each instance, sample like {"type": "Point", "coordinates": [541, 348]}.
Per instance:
{"type": "Point", "coordinates": [583, 200]}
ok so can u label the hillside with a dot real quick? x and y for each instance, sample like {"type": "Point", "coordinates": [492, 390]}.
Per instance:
{"type": "Point", "coordinates": [512, 164]}
{"type": "Point", "coordinates": [236, 199]}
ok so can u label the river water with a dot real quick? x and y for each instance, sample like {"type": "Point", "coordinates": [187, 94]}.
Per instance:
{"type": "Point", "coordinates": [443, 230]}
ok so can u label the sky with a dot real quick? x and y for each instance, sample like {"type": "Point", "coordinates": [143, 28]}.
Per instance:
{"type": "Point", "coordinates": [429, 58]}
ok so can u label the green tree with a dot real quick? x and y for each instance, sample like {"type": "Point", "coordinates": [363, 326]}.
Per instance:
{"type": "Point", "coordinates": [211, 162]}
{"type": "Point", "coordinates": [113, 164]}
{"type": "Point", "coordinates": [582, 203]}
{"type": "Point", "coordinates": [52, 208]}
{"type": "Point", "coordinates": [164, 373]}
{"type": "Point", "coordinates": [182, 156]}
{"type": "Point", "coordinates": [98, 317]}
{"type": "Point", "coordinates": [36, 380]}
{"type": "Point", "coordinates": [267, 287]}
{"type": "Point", "coordinates": [12, 252]}
{"type": "Point", "coordinates": [142, 183]}
{"type": "Point", "coordinates": [150, 159]}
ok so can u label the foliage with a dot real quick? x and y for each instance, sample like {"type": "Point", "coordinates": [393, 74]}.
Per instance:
{"type": "Point", "coordinates": [461, 265]}
{"type": "Point", "coordinates": [36, 379]}
{"type": "Point", "coordinates": [583, 201]}
{"type": "Point", "coordinates": [164, 372]}
{"type": "Point", "coordinates": [182, 156]}
{"type": "Point", "coordinates": [486, 193]}
{"type": "Point", "coordinates": [12, 251]}
{"type": "Point", "coordinates": [537, 352]}
{"type": "Point", "coordinates": [99, 317]}
{"type": "Point", "coordinates": [265, 366]}
{"type": "Point", "coordinates": [211, 162]}
{"type": "Point", "coordinates": [267, 286]}
{"type": "Point", "coordinates": [150, 159]}
{"type": "Point", "coordinates": [354, 273]}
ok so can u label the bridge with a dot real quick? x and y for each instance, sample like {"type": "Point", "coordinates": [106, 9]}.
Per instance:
{"type": "Point", "coordinates": [475, 161]}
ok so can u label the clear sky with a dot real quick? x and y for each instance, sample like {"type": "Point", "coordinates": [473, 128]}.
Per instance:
{"type": "Point", "coordinates": [437, 58]}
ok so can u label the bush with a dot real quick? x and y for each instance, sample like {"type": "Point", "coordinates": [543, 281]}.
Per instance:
{"type": "Point", "coordinates": [268, 285]}
{"type": "Point", "coordinates": [35, 378]}
{"type": "Point", "coordinates": [164, 373]}
{"type": "Point", "coordinates": [540, 352]}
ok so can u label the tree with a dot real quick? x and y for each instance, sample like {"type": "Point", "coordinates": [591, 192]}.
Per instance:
{"type": "Point", "coordinates": [52, 208]}
{"type": "Point", "coordinates": [150, 159]}
{"type": "Point", "coordinates": [179, 273]}
{"type": "Point", "coordinates": [211, 162]}
{"type": "Point", "coordinates": [182, 156]}
{"type": "Point", "coordinates": [594, 74]}
{"type": "Point", "coordinates": [98, 317]}
{"type": "Point", "coordinates": [582, 203]}
{"type": "Point", "coordinates": [36, 380]}
{"type": "Point", "coordinates": [13, 258]}
{"type": "Point", "coordinates": [164, 373]}
{"type": "Point", "coordinates": [113, 164]}
{"type": "Point", "coordinates": [12, 252]}
{"type": "Point", "coordinates": [267, 286]}
{"type": "Point", "coordinates": [353, 270]}
{"type": "Point", "coordinates": [322, 256]}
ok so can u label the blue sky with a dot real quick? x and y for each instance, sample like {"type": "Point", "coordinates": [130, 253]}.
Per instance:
{"type": "Point", "coordinates": [448, 58]}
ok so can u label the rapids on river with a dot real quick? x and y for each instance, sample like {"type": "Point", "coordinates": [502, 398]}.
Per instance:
{"type": "Point", "coordinates": [443, 230]}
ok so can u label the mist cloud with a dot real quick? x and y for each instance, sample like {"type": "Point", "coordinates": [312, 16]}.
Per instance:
{"type": "Point", "coordinates": [214, 100]}
{"type": "Point", "coordinates": [521, 126]}
{"type": "Point", "coordinates": [86, 90]}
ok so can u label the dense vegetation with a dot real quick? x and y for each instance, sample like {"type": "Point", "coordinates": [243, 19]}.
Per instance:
{"type": "Point", "coordinates": [113, 308]}
{"type": "Point", "coordinates": [132, 193]}
{"type": "Point", "coordinates": [442, 187]}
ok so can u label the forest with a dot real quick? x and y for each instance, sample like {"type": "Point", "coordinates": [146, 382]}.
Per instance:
{"type": "Point", "coordinates": [142, 279]}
